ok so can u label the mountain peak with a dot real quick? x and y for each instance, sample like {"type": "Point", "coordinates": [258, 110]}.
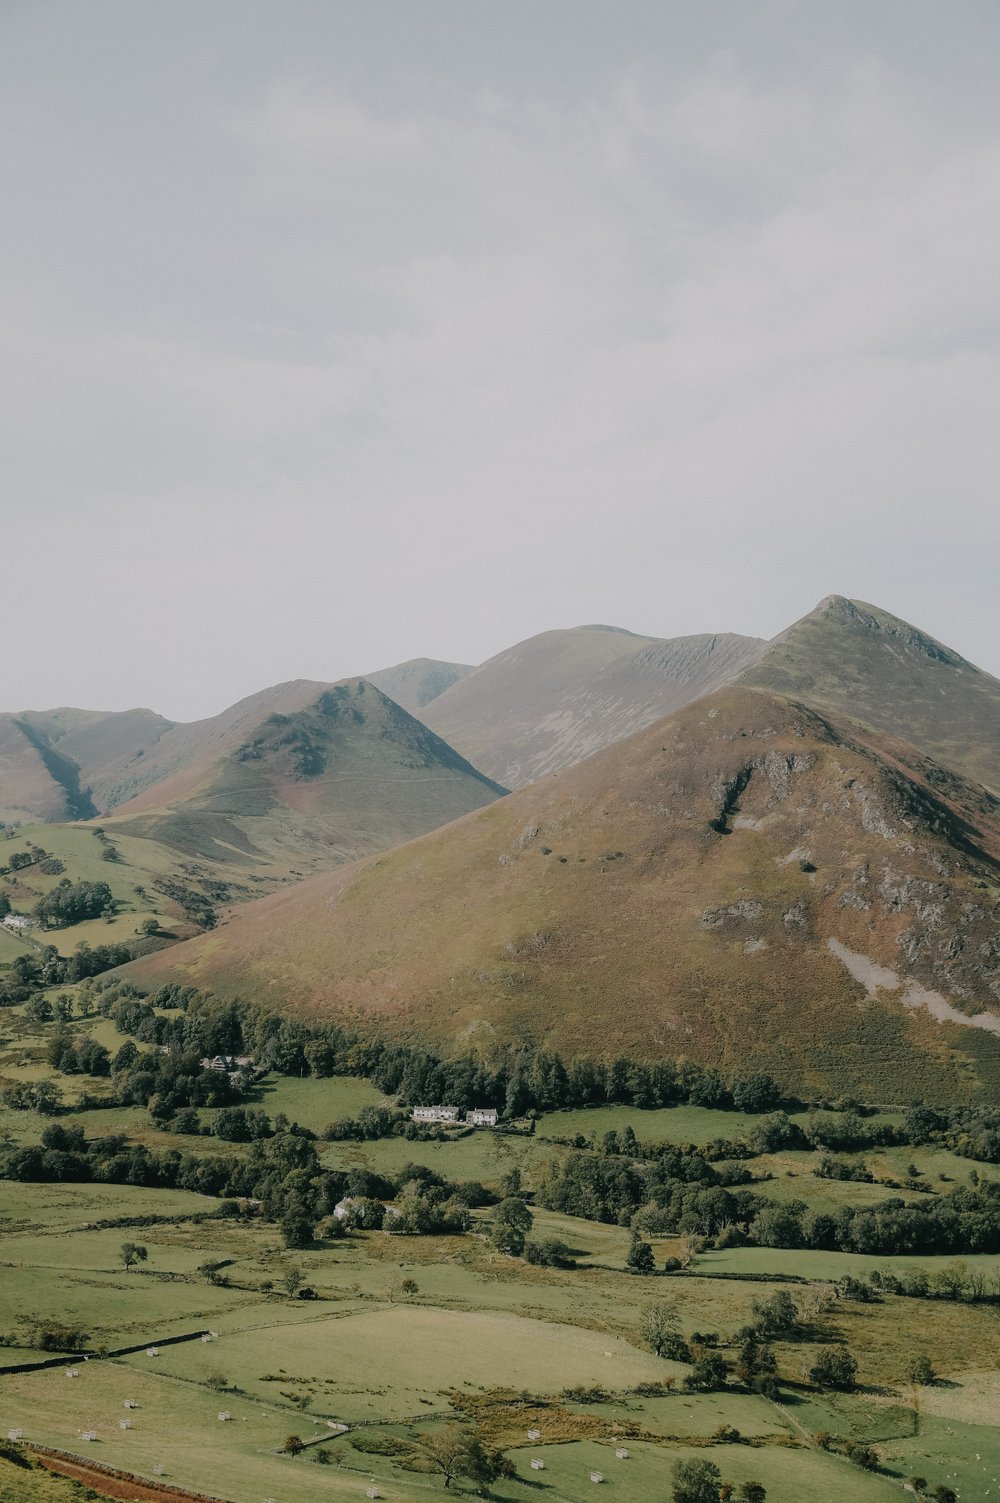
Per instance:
{"type": "Point", "coordinates": [874, 618]}
{"type": "Point", "coordinates": [859, 660]}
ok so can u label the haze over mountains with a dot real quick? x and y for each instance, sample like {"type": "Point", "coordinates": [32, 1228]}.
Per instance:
{"type": "Point", "coordinates": [550, 701]}
{"type": "Point", "coordinates": [784, 851]}
{"type": "Point", "coordinates": [755, 876]}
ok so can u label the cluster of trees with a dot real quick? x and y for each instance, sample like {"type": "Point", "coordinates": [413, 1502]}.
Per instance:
{"type": "Point", "coordinates": [18, 860]}
{"type": "Point", "coordinates": [971, 1131]}
{"type": "Point", "coordinates": [955, 1281]}
{"type": "Point", "coordinates": [679, 1191]}
{"type": "Point", "coordinates": [166, 1083]}
{"type": "Point", "coordinates": [530, 1081]}
{"type": "Point", "coordinates": [966, 1221]}
{"type": "Point", "coordinates": [197, 907]}
{"type": "Point", "coordinates": [45, 967]}
{"type": "Point", "coordinates": [700, 1481]}
{"type": "Point", "coordinates": [41, 1096]}
{"type": "Point", "coordinates": [72, 902]}
{"type": "Point", "coordinates": [370, 1123]}
{"type": "Point", "coordinates": [526, 1081]}
{"type": "Point", "coordinates": [281, 1172]}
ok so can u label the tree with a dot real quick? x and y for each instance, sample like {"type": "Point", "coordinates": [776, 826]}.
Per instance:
{"type": "Point", "coordinates": [640, 1256]}
{"type": "Point", "coordinates": [659, 1325]}
{"type": "Point", "coordinates": [756, 1093]}
{"type": "Point", "coordinates": [293, 1445]}
{"type": "Point", "coordinates": [46, 1098]}
{"type": "Point", "coordinates": [409, 1287]}
{"type": "Point", "coordinates": [549, 1252]}
{"type": "Point", "coordinates": [296, 1224]}
{"type": "Point", "coordinates": [689, 1245]}
{"type": "Point", "coordinates": [696, 1481]}
{"type": "Point", "coordinates": [512, 1220]}
{"type": "Point", "coordinates": [944, 1494]}
{"type": "Point", "coordinates": [921, 1371]}
{"type": "Point", "coordinates": [455, 1452]}
{"type": "Point", "coordinates": [756, 1365]}
{"type": "Point", "coordinates": [39, 1010]}
{"type": "Point", "coordinates": [753, 1492]}
{"type": "Point", "coordinates": [291, 1279]}
{"type": "Point", "coordinates": [835, 1368]}
{"type": "Point", "coordinates": [133, 1253]}
{"type": "Point", "coordinates": [777, 1316]}
{"type": "Point", "coordinates": [708, 1372]}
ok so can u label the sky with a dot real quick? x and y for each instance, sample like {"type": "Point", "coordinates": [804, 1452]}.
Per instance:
{"type": "Point", "coordinates": [338, 332]}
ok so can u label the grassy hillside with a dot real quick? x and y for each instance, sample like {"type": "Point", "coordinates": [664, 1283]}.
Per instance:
{"type": "Point", "coordinates": [858, 660]}
{"type": "Point", "coordinates": [23, 1480]}
{"type": "Point", "coordinates": [348, 773]}
{"type": "Point", "coordinates": [34, 782]}
{"type": "Point", "coordinates": [676, 894]}
{"type": "Point", "coordinates": [148, 881]}
{"type": "Point", "coordinates": [415, 683]}
{"type": "Point", "coordinates": [556, 698]}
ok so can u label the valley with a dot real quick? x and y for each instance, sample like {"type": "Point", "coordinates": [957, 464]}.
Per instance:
{"type": "Point", "coordinates": [725, 965]}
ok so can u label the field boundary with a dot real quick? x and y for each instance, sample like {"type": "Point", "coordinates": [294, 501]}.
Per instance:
{"type": "Point", "coordinates": [95, 1356]}
{"type": "Point", "coordinates": [164, 1490]}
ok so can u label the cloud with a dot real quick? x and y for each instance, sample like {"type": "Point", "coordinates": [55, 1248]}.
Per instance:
{"type": "Point", "coordinates": [429, 369]}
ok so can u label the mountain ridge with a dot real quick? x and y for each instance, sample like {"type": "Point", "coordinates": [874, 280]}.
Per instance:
{"type": "Point", "coordinates": [551, 700]}
{"type": "Point", "coordinates": [675, 893]}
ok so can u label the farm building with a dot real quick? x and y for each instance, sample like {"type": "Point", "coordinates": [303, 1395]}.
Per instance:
{"type": "Point", "coordinates": [17, 922]}
{"type": "Point", "coordinates": [227, 1062]}
{"type": "Point", "coordinates": [435, 1114]}
{"type": "Point", "coordinates": [351, 1207]}
{"type": "Point", "coordinates": [482, 1116]}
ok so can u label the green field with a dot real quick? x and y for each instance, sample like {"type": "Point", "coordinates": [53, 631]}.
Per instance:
{"type": "Point", "coordinates": [673, 1124]}
{"type": "Point", "coordinates": [364, 1353]}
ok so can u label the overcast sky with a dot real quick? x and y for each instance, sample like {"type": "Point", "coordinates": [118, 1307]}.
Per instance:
{"type": "Point", "coordinates": [343, 331]}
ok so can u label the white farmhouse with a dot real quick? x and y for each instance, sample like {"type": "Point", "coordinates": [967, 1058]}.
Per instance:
{"type": "Point", "coordinates": [435, 1114]}
{"type": "Point", "coordinates": [482, 1116]}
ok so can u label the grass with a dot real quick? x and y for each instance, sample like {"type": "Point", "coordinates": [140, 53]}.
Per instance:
{"type": "Point", "coordinates": [362, 1352]}
{"type": "Point", "coordinates": [314, 1103]}
{"type": "Point", "coordinates": [482, 1155]}
{"type": "Point", "coordinates": [675, 1124]}
{"type": "Point", "coordinates": [790, 1476]}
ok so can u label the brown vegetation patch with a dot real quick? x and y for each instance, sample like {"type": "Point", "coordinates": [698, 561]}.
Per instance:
{"type": "Point", "coordinates": [111, 1483]}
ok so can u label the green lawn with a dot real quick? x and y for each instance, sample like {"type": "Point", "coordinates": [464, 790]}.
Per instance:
{"type": "Point", "coordinates": [674, 1124]}
{"type": "Point", "coordinates": [314, 1103]}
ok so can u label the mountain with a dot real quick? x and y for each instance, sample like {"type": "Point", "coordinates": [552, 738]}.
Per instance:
{"type": "Point", "coordinates": [749, 881]}
{"type": "Point", "coordinates": [858, 660]}
{"type": "Point", "coordinates": [418, 681]}
{"type": "Point", "coordinates": [303, 776]}
{"type": "Point", "coordinates": [554, 699]}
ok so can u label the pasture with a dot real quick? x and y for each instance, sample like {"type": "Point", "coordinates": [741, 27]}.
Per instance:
{"type": "Point", "coordinates": [365, 1353]}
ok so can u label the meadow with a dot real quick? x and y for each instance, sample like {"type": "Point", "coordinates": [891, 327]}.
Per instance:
{"type": "Point", "coordinates": [399, 1335]}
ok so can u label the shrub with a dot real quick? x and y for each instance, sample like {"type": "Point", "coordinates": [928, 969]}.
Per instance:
{"type": "Point", "coordinates": [835, 1368]}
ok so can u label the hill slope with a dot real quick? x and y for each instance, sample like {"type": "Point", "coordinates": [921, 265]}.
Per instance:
{"type": "Point", "coordinates": [859, 660]}
{"type": "Point", "coordinates": [418, 681]}
{"type": "Point", "coordinates": [345, 772]}
{"type": "Point", "coordinates": [745, 881]}
{"type": "Point", "coordinates": [551, 701]}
